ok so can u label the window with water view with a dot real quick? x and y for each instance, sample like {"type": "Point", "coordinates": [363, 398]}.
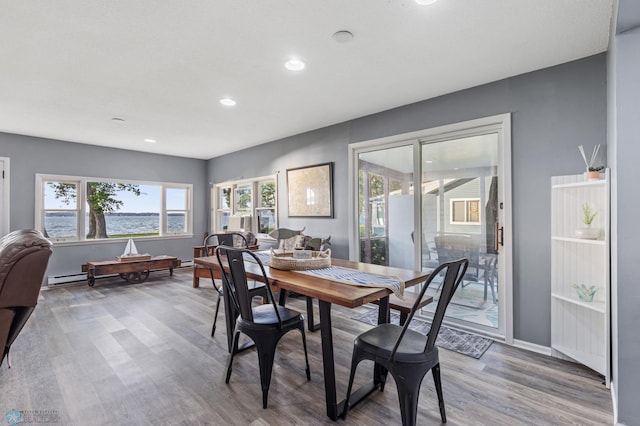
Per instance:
{"type": "Point", "coordinates": [111, 209]}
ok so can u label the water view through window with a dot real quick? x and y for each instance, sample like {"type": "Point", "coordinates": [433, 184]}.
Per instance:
{"type": "Point", "coordinates": [112, 209]}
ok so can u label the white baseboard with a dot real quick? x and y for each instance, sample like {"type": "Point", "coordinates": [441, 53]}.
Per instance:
{"type": "Point", "coordinates": [532, 347]}
{"type": "Point", "coordinates": [614, 399]}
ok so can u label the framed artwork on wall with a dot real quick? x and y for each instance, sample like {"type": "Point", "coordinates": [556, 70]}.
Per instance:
{"type": "Point", "coordinates": [310, 191]}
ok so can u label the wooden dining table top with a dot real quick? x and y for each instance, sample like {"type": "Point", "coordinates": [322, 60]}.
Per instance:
{"type": "Point", "coordinates": [326, 289]}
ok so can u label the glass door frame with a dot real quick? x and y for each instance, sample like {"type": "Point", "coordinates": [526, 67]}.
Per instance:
{"type": "Point", "coordinates": [499, 124]}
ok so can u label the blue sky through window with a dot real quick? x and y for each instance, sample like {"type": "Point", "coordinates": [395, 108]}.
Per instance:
{"type": "Point", "coordinates": [147, 202]}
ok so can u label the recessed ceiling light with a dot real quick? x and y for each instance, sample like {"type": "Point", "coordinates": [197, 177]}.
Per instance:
{"type": "Point", "coordinates": [294, 64]}
{"type": "Point", "coordinates": [118, 120]}
{"type": "Point", "coordinates": [425, 2]}
{"type": "Point", "coordinates": [343, 36]}
{"type": "Point", "coordinates": [227, 102]}
{"type": "Point", "coordinates": [429, 161]}
{"type": "Point", "coordinates": [150, 140]}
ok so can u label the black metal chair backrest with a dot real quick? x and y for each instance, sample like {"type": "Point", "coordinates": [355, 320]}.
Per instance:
{"type": "Point", "coordinates": [234, 279]}
{"type": "Point", "coordinates": [454, 271]}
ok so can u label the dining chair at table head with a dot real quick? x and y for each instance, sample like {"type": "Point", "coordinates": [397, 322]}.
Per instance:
{"type": "Point", "coordinates": [264, 324]}
{"type": "Point", "coordinates": [233, 239]}
{"type": "Point", "coordinates": [409, 355]}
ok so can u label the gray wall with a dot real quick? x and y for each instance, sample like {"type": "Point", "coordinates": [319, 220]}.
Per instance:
{"type": "Point", "coordinates": [624, 148]}
{"type": "Point", "coordinates": [30, 155]}
{"type": "Point", "coordinates": [554, 110]}
{"type": "Point", "coordinates": [320, 146]}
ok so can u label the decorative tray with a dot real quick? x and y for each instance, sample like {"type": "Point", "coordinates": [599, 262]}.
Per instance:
{"type": "Point", "coordinates": [286, 260]}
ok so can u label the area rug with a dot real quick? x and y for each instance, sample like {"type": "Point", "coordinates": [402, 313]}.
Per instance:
{"type": "Point", "coordinates": [454, 340]}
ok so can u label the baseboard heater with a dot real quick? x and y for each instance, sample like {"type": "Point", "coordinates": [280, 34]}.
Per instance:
{"type": "Point", "coordinates": [66, 279]}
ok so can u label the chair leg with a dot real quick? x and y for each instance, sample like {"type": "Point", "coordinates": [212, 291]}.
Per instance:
{"type": "Point", "coordinates": [354, 365]}
{"type": "Point", "coordinates": [382, 376]}
{"type": "Point", "coordinates": [234, 349]}
{"type": "Point", "coordinates": [436, 380]}
{"type": "Point", "coordinates": [408, 380]}
{"type": "Point", "coordinates": [266, 354]}
{"type": "Point", "coordinates": [408, 404]}
{"type": "Point", "coordinates": [215, 317]}
{"type": "Point", "coordinates": [304, 345]}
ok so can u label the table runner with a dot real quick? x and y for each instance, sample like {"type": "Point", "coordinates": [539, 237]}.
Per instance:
{"type": "Point", "coordinates": [344, 275]}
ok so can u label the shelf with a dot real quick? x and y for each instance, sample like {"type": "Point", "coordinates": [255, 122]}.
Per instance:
{"type": "Point", "coordinates": [594, 306]}
{"type": "Point", "coordinates": [579, 240]}
{"type": "Point", "coordinates": [579, 184]}
{"type": "Point", "coordinates": [580, 330]}
{"type": "Point", "coordinates": [595, 362]}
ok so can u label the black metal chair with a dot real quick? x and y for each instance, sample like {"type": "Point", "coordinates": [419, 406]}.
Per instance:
{"type": "Point", "coordinates": [264, 324]}
{"type": "Point", "coordinates": [231, 239]}
{"type": "Point", "coordinates": [407, 354]}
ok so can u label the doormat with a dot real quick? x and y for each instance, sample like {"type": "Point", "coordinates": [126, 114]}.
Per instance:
{"type": "Point", "coordinates": [454, 340]}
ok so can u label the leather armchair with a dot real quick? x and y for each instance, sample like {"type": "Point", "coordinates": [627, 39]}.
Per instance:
{"type": "Point", "coordinates": [24, 255]}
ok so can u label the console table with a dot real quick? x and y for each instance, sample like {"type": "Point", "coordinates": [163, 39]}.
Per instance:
{"type": "Point", "coordinates": [133, 271]}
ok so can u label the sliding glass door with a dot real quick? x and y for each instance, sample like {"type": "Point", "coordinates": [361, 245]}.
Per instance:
{"type": "Point", "coordinates": [459, 214]}
{"type": "Point", "coordinates": [424, 198]}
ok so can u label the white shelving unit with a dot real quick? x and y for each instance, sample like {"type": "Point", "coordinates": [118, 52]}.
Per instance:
{"type": "Point", "coordinates": [579, 329]}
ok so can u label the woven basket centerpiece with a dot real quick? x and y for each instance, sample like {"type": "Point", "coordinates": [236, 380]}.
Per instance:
{"type": "Point", "coordinates": [286, 260]}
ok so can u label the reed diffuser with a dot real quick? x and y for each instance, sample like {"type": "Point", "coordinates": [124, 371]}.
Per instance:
{"type": "Point", "coordinates": [593, 172]}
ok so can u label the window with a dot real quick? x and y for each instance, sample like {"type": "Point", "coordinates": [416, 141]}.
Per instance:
{"type": "Point", "coordinates": [465, 211]}
{"type": "Point", "coordinates": [60, 215]}
{"type": "Point", "coordinates": [248, 199]}
{"type": "Point", "coordinates": [244, 198]}
{"type": "Point", "coordinates": [177, 211]}
{"type": "Point", "coordinates": [266, 210]}
{"type": "Point", "coordinates": [79, 208]}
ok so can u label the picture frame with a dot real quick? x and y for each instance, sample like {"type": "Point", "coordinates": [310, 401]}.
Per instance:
{"type": "Point", "coordinates": [310, 191]}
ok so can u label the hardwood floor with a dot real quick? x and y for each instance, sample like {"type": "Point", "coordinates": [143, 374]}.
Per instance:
{"type": "Point", "coordinates": [141, 354]}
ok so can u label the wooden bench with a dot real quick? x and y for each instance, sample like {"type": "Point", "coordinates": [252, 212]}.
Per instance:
{"type": "Point", "coordinates": [131, 271]}
{"type": "Point", "coordinates": [404, 306]}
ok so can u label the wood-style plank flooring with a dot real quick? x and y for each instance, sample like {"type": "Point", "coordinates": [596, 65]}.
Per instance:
{"type": "Point", "coordinates": [141, 354]}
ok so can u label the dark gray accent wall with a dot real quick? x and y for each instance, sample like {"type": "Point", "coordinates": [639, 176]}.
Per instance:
{"type": "Point", "coordinates": [553, 111]}
{"type": "Point", "coordinates": [31, 155]}
{"type": "Point", "coordinates": [624, 69]}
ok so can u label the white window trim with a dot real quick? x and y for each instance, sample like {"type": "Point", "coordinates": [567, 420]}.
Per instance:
{"type": "Point", "coordinates": [501, 124]}
{"type": "Point", "coordinates": [466, 222]}
{"type": "Point", "coordinates": [255, 202]}
{"type": "Point", "coordinates": [81, 182]}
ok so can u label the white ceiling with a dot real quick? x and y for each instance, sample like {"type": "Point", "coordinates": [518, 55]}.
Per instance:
{"type": "Point", "coordinates": [67, 67]}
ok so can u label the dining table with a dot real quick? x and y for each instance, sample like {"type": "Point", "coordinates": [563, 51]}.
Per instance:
{"type": "Point", "coordinates": [328, 292]}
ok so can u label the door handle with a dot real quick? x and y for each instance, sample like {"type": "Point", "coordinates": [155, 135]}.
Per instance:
{"type": "Point", "coordinates": [499, 236]}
